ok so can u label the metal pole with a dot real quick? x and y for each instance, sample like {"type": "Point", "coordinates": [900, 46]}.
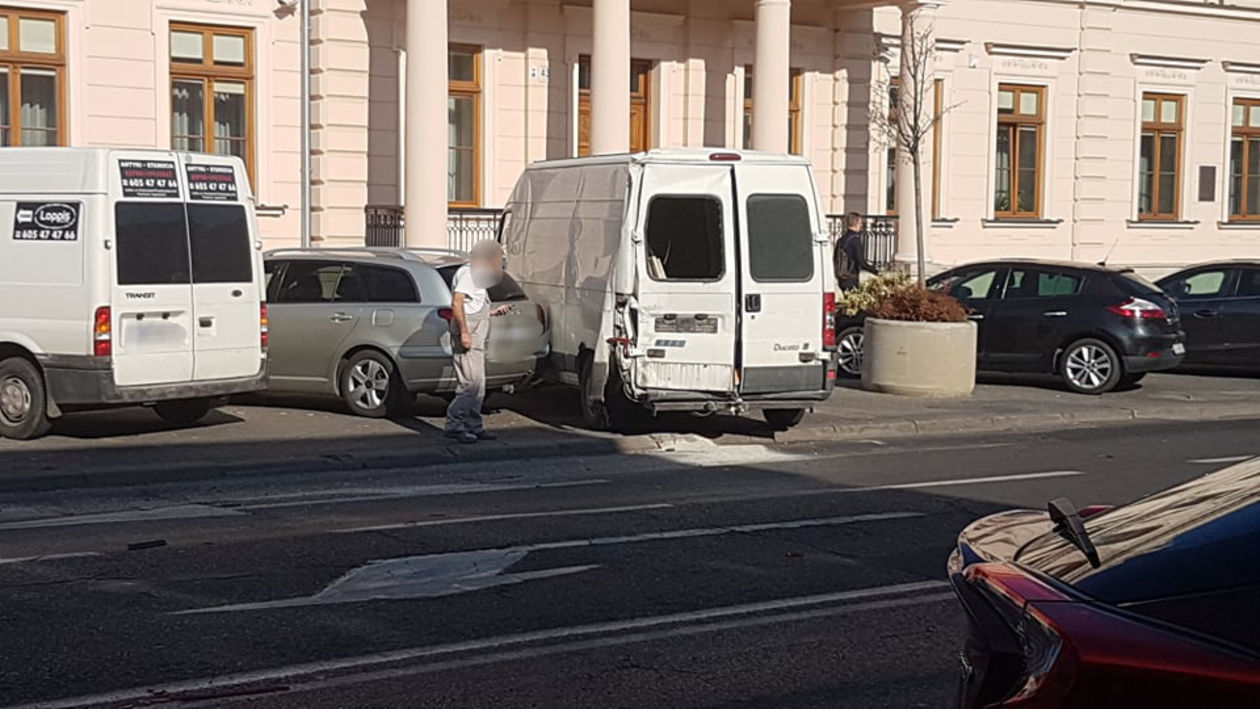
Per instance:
{"type": "Point", "coordinates": [305, 228]}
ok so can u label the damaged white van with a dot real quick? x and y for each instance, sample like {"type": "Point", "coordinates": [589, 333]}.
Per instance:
{"type": "Point", "coordinates": [126, 277]}
{"type": "Point", "coordinates": [679, 280]}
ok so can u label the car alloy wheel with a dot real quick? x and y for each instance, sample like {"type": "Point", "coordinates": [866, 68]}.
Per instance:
{"type": "Point", "coordinates": [1090, 367]}
{"type": "Point", "coordinates": [15, 400]}
{"type": "Point", "coordinates": [369, 384]}
{"type": "Point", "coordinates": [849, 351]}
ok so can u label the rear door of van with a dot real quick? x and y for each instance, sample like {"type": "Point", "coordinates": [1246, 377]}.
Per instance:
{"type": "Point", "coordinates": [782, 281]}
{"type": "Point", "coordinates": [226, 269]}
{"type": "Point", "coordinates": [687, 279]}
{"type": "Point", "coordinates": [151, 304]}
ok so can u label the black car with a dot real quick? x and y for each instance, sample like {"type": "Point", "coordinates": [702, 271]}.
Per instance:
{"type": "Point", "coordinates": [1094, 326]}
{"type": "Point", "coordinates": [1220, 305]}
{"type": "Point", "coordinates": [1151, 604]}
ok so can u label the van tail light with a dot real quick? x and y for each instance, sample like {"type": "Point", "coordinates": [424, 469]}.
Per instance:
{"type": "Point", "coordinates": [725, 157]}
{"type": "Point", "coordinates": [103, 332]}
{"type": "Point", "coordinates": [447, 314]}
{"type": "Point", "coordinates": [264, 327]}
{"type": "Point", "coordinates": [829, 320]}
{"type": "Point", "coordinates": [1138, 309]}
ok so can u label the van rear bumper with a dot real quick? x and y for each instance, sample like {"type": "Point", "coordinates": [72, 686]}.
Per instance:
{"type": "Point", "coordinates": [660, 401]}
{"type": "Point", "coordinates": [87, 381]}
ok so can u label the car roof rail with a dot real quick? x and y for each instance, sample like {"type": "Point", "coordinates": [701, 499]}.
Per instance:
{"type": "Point", "coordinates": [401, 254]}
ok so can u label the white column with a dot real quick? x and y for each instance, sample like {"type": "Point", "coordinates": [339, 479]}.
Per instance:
{"type": "Point", "coordinates": [916, 18]}
{"type": "Point", "coordinates": [610, 78]}
{"type": "Point", "coordinates": [425, 127]}
{"type": "Point", "coordinates": [771, 75]}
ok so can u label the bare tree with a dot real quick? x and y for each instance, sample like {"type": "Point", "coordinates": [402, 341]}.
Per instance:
{"type": "Point", "coordinates": [908, 114]}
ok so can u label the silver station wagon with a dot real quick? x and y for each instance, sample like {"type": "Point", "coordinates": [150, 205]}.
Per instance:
{"type": "Point", "coordinates": [372, 326]}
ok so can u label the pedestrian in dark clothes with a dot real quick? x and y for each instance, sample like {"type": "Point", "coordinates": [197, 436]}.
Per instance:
{"type": "Point", "coordinates": [849, 256]}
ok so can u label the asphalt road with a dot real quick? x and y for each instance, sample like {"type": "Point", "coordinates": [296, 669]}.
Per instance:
{"type": "Point", "coordinates": [735, 575]}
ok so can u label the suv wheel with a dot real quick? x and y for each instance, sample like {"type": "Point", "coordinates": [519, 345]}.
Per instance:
{"type": "Point", "coordinates": [370, 386]}
{"type": "Point", "coordinates": [183, 412]}
{"type": "Point", "coordinates": [1090, 366]}
{"type": "Point", "coordinates": [849, 345]}
{"type": "Point", "coordinates": [23, 402]}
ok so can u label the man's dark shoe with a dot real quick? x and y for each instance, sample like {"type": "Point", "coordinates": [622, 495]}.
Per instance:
{"type": "Point", "coordinates": [486, 436]}
{"type": "Point", "coordinates": [462, 436]}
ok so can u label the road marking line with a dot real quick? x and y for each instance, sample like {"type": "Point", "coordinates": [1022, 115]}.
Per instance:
{"type": "Point", "coordinates": [970, 481]}
{"type": "Point", "coordinates": [614, 641]}
{"type": "Point", "coordinates": [537, 636]}
{"type": "Point", "coordinates": [176, 512]}
{"type": "Point", "coordinates": [507, 516]}
{"type": "Point", "coordinates": [52, 557]}
{"type": "Point", "coordinates": [422, 491]}
{"type": "Point", "coordinates": [1218, 461]}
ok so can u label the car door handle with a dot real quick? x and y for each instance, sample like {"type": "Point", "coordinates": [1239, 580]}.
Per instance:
{"type": "Point", "coordinates": [976, 316]}
{"type": "Point", "coordinates": [1205, 313]}
{"type": "Point", "coordinates": [206, 322]}
{"type": "Point", "coordinates": [340, 317]}
{"type": "Point", "coordinates": [1055, 314]}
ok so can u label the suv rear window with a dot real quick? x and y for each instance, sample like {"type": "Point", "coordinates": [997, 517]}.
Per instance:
{"type": "Point", "coordinates": [152, 243]}
{"type": "Point", "coordinates": [780, 240]}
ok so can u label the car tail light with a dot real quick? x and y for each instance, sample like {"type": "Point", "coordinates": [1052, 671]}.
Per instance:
{"type": "Point", "coordinates": [1045, 662]}
{"type": "Point", "coordinates": [1138, 309]}
{"type": "Point", "coordinates": [447, 314]}
{"type": "Point", "coordinates": [542, 315]}
{"type": "Point", "coordinates": [103, 332]}
{"type": "Point", "coordinates": [264, 327]}
{"type": "Point", "coordinates": [829, 319]}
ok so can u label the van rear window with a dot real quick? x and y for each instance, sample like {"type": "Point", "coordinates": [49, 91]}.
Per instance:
{"type": "Point", "coordinates": [684, 239]}
{"type": "Point", "coordinates": [152, 243]}
{"type": "Point", "coordinates": [780, 240]}
{"type": "Point", "coordinates": [219, 235]}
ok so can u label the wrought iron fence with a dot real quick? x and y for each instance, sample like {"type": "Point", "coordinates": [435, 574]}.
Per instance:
{"type": "Point", "coordinates": [879, 237]}
{"type": "Point", "coordinates": [384, 224]}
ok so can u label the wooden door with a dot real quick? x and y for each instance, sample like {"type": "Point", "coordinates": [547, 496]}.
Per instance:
{"type": "Point", "coordinates": [640, 106]}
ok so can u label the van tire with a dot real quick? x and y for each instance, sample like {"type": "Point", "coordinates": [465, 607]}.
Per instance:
{"type": "Point", "coordinates": [23, 400]}
{"type": "Point", "coordinates": [594, 413]}
{"type": "Point", "coordinates": [370, 386]}
{"type": "Point", "coordinates": [183, 412]}
{"type": "Point", "coordinates": [783, 419]}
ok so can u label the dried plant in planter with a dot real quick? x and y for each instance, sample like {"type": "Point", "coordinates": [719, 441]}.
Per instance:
{"type": "Point", "coordinates": [894, 296]}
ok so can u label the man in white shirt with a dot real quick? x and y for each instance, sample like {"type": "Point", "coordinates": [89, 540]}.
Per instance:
{"type": "Point", "coordinates": [470, 327]}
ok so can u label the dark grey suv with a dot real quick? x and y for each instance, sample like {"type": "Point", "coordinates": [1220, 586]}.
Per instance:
{"type": "Point", "coordinates": [372, 326]}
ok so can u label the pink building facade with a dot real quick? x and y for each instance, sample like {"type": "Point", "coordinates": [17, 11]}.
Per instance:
{"type": "Point", "coordinates": [1079, 129]}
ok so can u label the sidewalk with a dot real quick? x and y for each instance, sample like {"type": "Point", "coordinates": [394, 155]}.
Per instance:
{"type": "Point", "coordinates": [277, 436]}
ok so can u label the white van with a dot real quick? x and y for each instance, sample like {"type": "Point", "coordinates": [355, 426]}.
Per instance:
{"type": "Point", "coordinates": [126, 277]}
{"type": "Point", "coordinates": [693, 280]}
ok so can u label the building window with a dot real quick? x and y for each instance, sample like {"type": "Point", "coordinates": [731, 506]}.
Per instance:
{"type": "Point", "coordinates": [1159, 165]}
{"type": "Point", "coordinates": [938, 114]}
{"type": "Point", "coordinates": [32, 77]}
{"type": "Point", "coordinates": [463, 127]}
{"type": "Point", "coordinates": [640, 105]}
{"type": "Point", "coordinates": [796, 90]}
{"type": "Point", "coordinates": [212, 91]}
{"type": "Point", "coordinates": [1018, 165]}
{"type": "Point", "coordinates": [1244, 160]}
{"type": "Point", "coordinates": [890, 153]}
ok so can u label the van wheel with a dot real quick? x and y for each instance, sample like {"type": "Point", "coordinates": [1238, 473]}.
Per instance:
{"type": "Point", "coordinates": [1090, 366]}
{"type": "Point", "coordinates": [783, 419]}
{"type": "Point", "coordinates": [370, 386]}
{"type": "Point", "coordinates": [183, 412]}
{"type": "Point", "coordinates": [23, 400]}
{"type": "Point", "coordinates": [594, 413]}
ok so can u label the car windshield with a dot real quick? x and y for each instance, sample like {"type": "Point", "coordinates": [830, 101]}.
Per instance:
{"type": "Point", "coordinates": [506, 291]}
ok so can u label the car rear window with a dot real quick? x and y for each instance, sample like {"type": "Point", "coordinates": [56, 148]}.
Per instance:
{"type": "Point", "coordinates": [1194, 538]}
{"type": "Point", "coordinates": [219, 236]}
{"type": "Point", "coordinates": [152, 243]}
{"type": "Point", "coordinates": [1137, 285]}
{"type": "Point", "coordinates": [388, 285]}
{"type": "Point", "coordinates": [780, 240]}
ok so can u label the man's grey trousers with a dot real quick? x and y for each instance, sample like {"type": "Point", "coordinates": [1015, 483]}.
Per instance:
{"type": "Point", "coordinates": [464, 413]}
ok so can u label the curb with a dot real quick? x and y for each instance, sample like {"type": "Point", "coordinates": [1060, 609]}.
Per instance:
{"type": "Point", "coordinates": [441, 455]}
{"type": "Point", "coordinates": [998, 423]}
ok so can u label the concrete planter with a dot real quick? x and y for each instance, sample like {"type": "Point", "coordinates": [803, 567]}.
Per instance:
{"type": "Point", "coordinates": [919, 358]}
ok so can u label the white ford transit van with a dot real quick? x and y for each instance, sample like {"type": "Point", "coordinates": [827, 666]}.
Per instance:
{"type": "Point", "coordinates": [693, 280]}
{"type": "Point", "coordinates": [126, 277]}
